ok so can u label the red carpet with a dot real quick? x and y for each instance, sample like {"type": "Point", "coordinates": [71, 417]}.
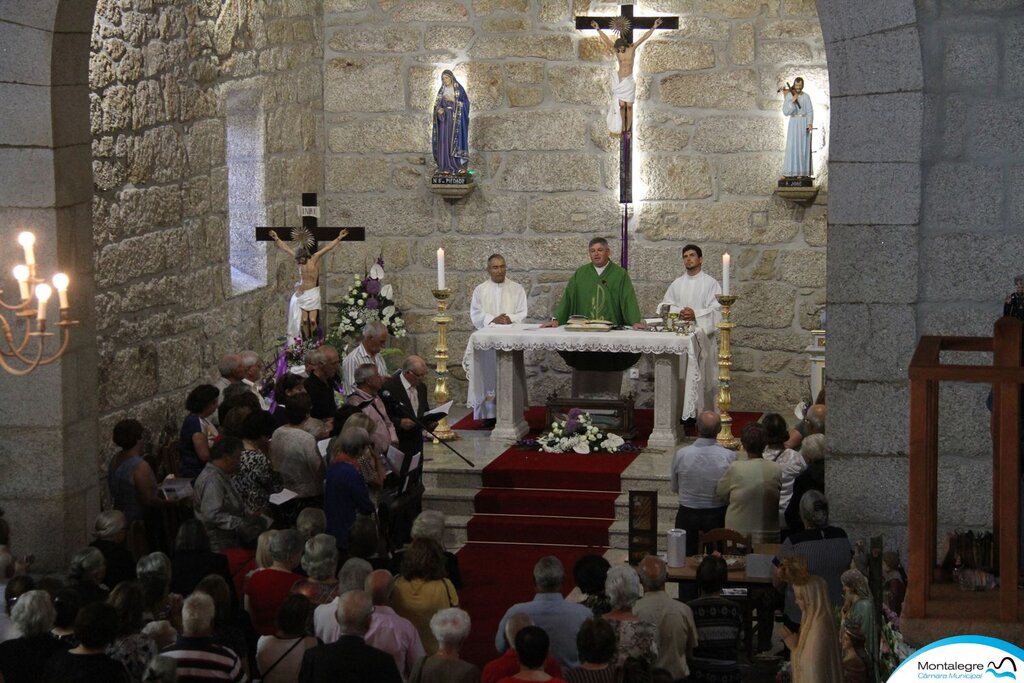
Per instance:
{"type": "Point", "coordinates": [532, 504]}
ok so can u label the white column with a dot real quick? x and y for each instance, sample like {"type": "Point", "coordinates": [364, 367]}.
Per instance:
{"type": "Point", "coordinates": [667, 392]}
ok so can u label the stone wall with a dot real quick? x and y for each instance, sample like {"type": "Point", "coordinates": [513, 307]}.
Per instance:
{"type": "Point", "coordinates": [161, 74]}
{"type": "Point", "coordinates": [934, 252]}
{"type": "Point", "coordinates": [709, 152]}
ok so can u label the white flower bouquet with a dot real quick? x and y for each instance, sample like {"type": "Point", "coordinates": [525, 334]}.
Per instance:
{"type": "Point", "coordinates": [366, 300]}
{"type": "Point", "coordinates": [578, 434]}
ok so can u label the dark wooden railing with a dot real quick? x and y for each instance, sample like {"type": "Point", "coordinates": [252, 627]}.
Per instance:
{"type": "Point", "coordinates": [925, 598]}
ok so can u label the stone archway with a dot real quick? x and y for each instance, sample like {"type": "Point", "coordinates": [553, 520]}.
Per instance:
{"type": "Point", "coordinates": [874, 59]}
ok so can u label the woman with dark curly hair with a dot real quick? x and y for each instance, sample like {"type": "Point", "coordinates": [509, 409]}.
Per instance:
{"type": "Point", "coordinates": [95, 627]}
{"type": "Point", "coordinates": [596, 644]}
{"type": "Point", "coordinates": [423, 588]}
{"type": "Point", "coordinates": [197, 433]}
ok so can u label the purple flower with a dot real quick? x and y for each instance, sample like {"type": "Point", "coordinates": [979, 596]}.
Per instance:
{"type": "Point", "coordinates": [572, 420]}
{"type": "Point", "coordinates": [372, 286]}
{"type": "Point", "coordinates": [372, 303]}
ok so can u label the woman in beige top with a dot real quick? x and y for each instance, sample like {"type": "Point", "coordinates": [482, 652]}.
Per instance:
{"type": "Point", "coordinates": [751, 488]}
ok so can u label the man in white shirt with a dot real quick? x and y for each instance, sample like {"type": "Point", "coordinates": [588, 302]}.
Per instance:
{"type": "Point", "coordinates": [375, 338]}
{"type": "Point", "coordinates": [498, 301]}
{"type": "Point", "coordinates": [253, 367]}
{"type": "Point", "coordinates": [695, 472]}
{"type": "Point", "coordinates": [692, 296]}
{"type": "Point", "coordinates": [390, 632]}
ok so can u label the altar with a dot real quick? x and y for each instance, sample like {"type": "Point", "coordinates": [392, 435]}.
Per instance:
{"type": "Point", "coordinates": [678, 384]}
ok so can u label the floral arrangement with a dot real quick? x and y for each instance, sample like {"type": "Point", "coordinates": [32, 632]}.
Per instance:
{"type": "Point", "coordinates": [577, 433]}
{"type": "Point", "coordinates": [367, 300]}
{"type": "Point", "coordinates": [892, 650]}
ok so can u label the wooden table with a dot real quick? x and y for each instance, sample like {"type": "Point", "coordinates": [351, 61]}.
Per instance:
{"type": "Point", "coordinates": [759, 597]}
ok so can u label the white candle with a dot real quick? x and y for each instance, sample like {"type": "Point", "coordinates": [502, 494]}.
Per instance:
{"type": "Point", "coordinates": [43, 293]}
{"type": "Point", "coordinates": [60, 282]}
{"type": "Point", "coordinates": [440, 268]}
{"type": "Point", "coordinates": [21, 275]}
{"type": "Point", "coordinates": [27, 240]}
{"type": "Point", "coordinates": [726, 259]}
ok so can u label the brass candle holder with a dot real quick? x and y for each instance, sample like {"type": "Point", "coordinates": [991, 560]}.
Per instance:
{"type": "Point", "coordinates": [725, 435]}
{"type": "Point", "coordinates": [442, 432]}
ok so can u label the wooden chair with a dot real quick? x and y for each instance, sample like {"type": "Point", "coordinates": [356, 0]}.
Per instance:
{"type": "Point", "coordinates": [725, 541]}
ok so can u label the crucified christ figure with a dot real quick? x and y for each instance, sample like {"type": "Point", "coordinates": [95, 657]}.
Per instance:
{"type": "Point", "coordinates": [623, 84]}
{"type": "Point", "coordinates": [304, 308]}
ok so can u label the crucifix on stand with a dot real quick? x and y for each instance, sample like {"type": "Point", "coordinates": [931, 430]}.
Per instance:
{"type": "Point", "coordinates": [620, 111]}
{"type": "Point", "coordinates": [304, 317]}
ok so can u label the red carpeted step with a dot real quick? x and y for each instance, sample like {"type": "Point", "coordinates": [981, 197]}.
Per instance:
{"type": "Point", "coordinates": [519, 468]}
{"type": "Point", "coordinates": [546, 502]}
{"type": "Point", "coordinates": [526, 529]}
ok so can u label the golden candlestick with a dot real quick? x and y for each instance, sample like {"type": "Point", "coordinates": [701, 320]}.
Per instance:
{"type": "Point", "coordinates": [442, 431]}
{"type": "Point", "coordinates": [725, 435]}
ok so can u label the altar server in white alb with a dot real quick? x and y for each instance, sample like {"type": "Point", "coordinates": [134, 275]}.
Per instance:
{"type": "Point", "coordinates": [498, 301]}
{"type": "Point", "coordinates": [692, 296]}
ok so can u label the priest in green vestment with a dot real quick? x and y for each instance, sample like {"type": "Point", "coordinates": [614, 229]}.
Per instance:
{"type": "Point", "coordinates": [600, 290]}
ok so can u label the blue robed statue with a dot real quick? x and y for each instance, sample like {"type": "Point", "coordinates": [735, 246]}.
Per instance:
{"type": "Point", "coordinates": [450, 137]}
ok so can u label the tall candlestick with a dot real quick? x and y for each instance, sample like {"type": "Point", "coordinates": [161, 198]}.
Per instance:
{"type": "Point", "coordinates": [21, 275]}
{"type": "Point", "coordinates": [440, 268]}
{"type": "Point", "coordinates": [60, 282]}
{"type": "Point", "coordinates": [27, 240]}
{"type": "Point", "coordinates": [726, 260]}
{"type": "Point", "coordinates": [43, 293]}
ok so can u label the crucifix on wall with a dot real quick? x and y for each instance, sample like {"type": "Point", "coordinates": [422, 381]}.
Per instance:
{"type": "Point", "coordinates": [304, 317]}
{"type": "Point", "coordinates": [620, 111]}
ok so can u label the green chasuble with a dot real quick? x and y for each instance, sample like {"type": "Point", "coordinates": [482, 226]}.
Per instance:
{"type": "Point", "coordinates": [608, 296]}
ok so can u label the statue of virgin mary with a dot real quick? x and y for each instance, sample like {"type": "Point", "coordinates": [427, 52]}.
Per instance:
{"type": "Point", "coordinates": [450, 136]}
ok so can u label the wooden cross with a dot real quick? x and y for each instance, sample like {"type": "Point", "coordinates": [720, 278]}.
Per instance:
{"type": "Point", "coordinates": [310, 234]}
{"type": "Point", "coordinates": [626, 151]}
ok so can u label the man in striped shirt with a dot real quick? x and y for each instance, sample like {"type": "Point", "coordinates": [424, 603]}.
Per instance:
{"type": "Point", "coordinates": [199, 658]}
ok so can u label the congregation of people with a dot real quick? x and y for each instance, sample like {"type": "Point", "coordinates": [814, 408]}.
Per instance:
{"type": "Point", "coordinates": [301, 552]}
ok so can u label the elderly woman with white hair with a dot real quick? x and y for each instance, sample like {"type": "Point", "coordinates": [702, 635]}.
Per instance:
{"type": "Point", "coordinates": [110, 531]}
{"type": "Point", "coordinates": [86, 573]}
{"type": "Point", "coordinates": [451, 628]}
{"type": "Point", "coordinates": [812, 450]}
{"type": "Point", "coordinates": [268, 588]}
{"type": "Point", "coordinates": [23, 659]}
{"type": "Point", "coordinates": [319, 561]}
{"type": "Point", "coordinates": [636, 638]}
{"type": "Point", "coordinates": [827, 549]}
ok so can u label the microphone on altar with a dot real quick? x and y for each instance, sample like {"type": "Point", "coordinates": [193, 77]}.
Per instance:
{"type": "Point", "coordinates": [407, 410]}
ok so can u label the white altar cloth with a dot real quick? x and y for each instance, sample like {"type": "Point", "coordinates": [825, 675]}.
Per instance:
{"type": "Point", "coordinates": [678, 384]}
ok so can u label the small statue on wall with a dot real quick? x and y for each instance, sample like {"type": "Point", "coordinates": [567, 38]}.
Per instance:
{"type": "Point", "coordinates": [450, 136]}
{"type": "Point", "coordinates": [797, 107]}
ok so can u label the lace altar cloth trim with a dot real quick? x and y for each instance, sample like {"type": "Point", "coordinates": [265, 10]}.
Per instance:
{"type": "Point", "coordinates": [525, 337]}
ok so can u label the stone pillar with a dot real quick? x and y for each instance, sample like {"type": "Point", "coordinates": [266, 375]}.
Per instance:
{"type": "Point", "coordinates": [49, 487]}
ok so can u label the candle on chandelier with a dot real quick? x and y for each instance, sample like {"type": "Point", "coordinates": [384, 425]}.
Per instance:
{"type": "Point", "coordinates": [21, 275]}
{"type": "Point", "coordinates": [60, 282]}
{"type": "Point", "coordinates": [440, 268]}
{"type": "Point", "coordinates": [27, 240]}
{"type": "Point", "coordinates": [726, 260]}
{"type": "Point", "coordinates": [43, 293]}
